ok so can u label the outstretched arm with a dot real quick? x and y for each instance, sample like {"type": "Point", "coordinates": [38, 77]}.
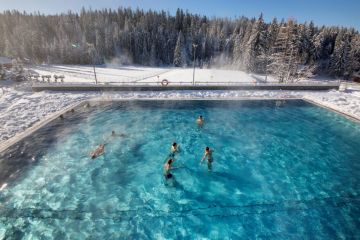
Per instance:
{"type": "Point", "coordinates": [203, 158]}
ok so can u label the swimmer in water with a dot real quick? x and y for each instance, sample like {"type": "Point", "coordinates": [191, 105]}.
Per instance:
{"type": "Point", "coordinates": [174, 148]}
{"type": "Point", "coordinates": [208, 155]}
{"type": "Point", "coordinates": [98, 151]}
{"type": "Point", "coordinates": [114, 134]}
{"type": "Point", "coordinates": [200, 120]}
{"type": "Point", "coordinates": [167, 168]}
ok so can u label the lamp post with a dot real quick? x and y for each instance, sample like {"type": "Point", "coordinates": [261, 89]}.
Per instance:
{"type": "Point", "coordinates": [93, 59]}
{"type": "Point", "coordinates": [75, 45]}
{"type": "Point", "coordinates": [194, 46]}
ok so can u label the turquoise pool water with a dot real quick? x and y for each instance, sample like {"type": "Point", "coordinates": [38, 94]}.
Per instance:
{"type": "Point", "coordinates": [282, 170]}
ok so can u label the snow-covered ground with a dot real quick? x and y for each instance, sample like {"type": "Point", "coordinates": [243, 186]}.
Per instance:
{"type": "Point", "coordinates": [85, 74]}
{"type": "Point", "coordinates": [107, 74]}
{"type": "Point", "coordinates": [21, 108]}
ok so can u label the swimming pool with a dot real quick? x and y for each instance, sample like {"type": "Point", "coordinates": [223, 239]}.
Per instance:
{"type": "Point", "coordinates": [282, 170]}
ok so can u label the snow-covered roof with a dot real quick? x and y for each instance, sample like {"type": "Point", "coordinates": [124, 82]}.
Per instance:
{"type": "Point", "coordinates": [5, 60]}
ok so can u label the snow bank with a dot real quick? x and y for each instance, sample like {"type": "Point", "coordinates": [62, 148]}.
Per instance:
{"type": "Point", "coordinates": [348, 103]}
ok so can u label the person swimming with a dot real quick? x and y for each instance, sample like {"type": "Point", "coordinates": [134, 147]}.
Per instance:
{"type": "Point", "coordinates": [98, 151]}
{"type": "Point", "coordinates": [200, 120]}
{"type": "Point", "coordinates": [114, 134]}
{"type": "Point", "coordinates": [174, 147]}
{"type": "Point", "coordinates": [167, 168]}
{"type": "Point", "coordinates": [208, 155]}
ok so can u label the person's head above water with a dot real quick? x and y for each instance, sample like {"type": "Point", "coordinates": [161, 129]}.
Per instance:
{"type": "Point", "coordinates": [200, 116]}
{"type": "Point", "coordinates": [174, 144]}
{"type": "Point", "coordinates": [207, 149]}
{"type": "Point", "coordinates": [170, 161]}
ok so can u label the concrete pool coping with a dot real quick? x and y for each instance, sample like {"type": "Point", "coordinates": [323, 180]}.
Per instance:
{"type": "Point", "coordinates": [317, 86]}
{"type": "Point", "coordinates": [17, 138]}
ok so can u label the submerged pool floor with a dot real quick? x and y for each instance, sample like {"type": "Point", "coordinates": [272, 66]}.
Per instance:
{"type": "Point", "coordinates": [282, 170]}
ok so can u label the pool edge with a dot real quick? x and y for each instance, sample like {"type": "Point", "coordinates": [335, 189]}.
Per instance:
{"type": "Point", "coordinates": [325, 106]}
{"type": "Point", "coordinates": [15, 139]}
{"type": "Point", "coordinates": [27, 132]}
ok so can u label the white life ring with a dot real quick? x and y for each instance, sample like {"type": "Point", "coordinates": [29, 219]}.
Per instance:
{"type": "Point", "coordinates": [164, 82]}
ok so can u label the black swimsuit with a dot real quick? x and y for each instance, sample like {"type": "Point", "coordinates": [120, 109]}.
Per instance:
{"type": "Point", "coordinates": [168, 175]}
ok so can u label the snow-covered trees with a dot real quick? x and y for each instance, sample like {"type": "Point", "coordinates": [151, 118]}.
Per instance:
{"type": "Point", "coordinates": [180, 56]}
{"type": "Point", "coordinates": [256, 49]}
{"type": "Point", "coordinates": [283, 61]}
{"type": "Point", "coordinates": [157, 38]}
{"type": "Point", "coordinates": [340, 56]}
{"type": "Point", "coordinates": [354, 56]}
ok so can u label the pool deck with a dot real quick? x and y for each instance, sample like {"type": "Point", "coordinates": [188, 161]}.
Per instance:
{"type": "Point", "coordinates": [6, 144]}
{"type": "Point", "coordinates": [310, 86]}
{"type": "Point", "coordinates": [347, 115]}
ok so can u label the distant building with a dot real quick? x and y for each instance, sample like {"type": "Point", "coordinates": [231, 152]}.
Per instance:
{"type": "Point", "coordinates": [6, 62]}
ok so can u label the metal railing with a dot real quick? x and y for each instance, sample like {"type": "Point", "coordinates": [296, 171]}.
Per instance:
{"type": "Point", "coordinates": [254, 83]}
{"type": "Point", "coordinates": [189, 83]}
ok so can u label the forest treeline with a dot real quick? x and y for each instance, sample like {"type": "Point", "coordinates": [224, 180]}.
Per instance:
{"type": "Point", "coordinates": [281, 48]}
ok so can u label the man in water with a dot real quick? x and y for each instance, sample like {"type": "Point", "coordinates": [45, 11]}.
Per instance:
{"type": "Point", "coordinates": [174, 148]}
{"type": "Point", "coordinates": [200, 120]}
{"type": "Point", "coordinates": [208, 155]}
{"type": "Point", "coordinates": [114, 134]}
{"type": "Point", "coordinates": [98, 151]}
{"type": "Point", "coordinates": [167, 168]}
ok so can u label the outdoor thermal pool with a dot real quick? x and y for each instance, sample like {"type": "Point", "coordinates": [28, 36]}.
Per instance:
{"type": "Point", "coordinates": [281, 170]}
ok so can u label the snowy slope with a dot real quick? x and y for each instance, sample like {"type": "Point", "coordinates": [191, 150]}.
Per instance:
{"type": "Point", "coordinates": [82, 74]}
{"type": "Point", "coordinates": [76, 73]}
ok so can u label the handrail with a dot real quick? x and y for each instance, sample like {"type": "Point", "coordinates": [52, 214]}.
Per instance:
{"type": "Point", "coordinates": [196, 83]}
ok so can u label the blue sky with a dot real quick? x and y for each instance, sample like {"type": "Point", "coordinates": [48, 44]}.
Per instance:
{"type": "Point", "coordinates": [327, 12]}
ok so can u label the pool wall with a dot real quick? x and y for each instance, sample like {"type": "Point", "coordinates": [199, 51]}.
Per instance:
{"type": "Point", "coordinates": [112, 87]}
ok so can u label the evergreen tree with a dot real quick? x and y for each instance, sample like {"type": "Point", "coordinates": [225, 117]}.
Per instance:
{"type": "Point", "coordinates": [339, 58]}
{"type": "Point", "coordinates": [354, 58]}
{"type": "Point", "coordinates": [153, 58]}
{"type": "Point", "coordinates": [180, 58]}
{"type": "Point", "coordinates": [284, 59]}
